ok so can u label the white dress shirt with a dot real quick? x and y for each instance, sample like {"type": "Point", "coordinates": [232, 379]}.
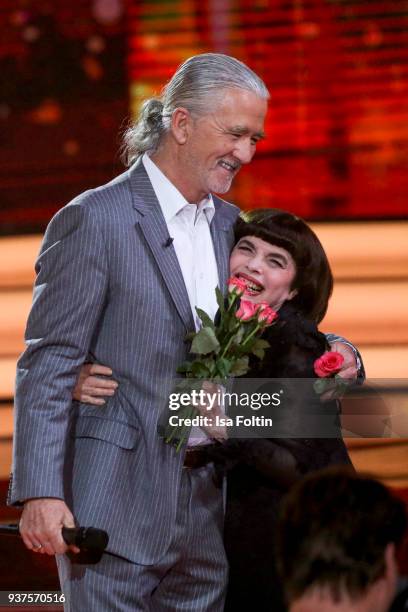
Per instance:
{"type": "Point", "coordinates": [189, 226]}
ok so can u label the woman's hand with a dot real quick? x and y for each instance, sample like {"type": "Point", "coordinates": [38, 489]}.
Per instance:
{"type": "Point", "coordinates": [217, 432]}
{"type": "Point", "coordinates": [91, 388]}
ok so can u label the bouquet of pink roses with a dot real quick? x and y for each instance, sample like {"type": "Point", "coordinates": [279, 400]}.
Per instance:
{"type": "Point", "coordinates": [221, 349]}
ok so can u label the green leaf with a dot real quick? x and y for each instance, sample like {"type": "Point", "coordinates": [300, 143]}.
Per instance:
{"type": "Point", "coordinates": [220, 300]}
{"type": "Point", "coordinates": [205, 318]}
{"type": "Point", "coordinates": [246, 345]}
{"type": "Point", "coordinates": [320, 385]}
{"type": "Point", "coordinates": [341, 385]}
{"type": "Point", "coordinates": [205, 342]}
{"type": "Point", "coordinates": [239, 335]}
{"type": "Point", "coordinates": [209, 363]}
{"type": "Point", "coordinates": [240, 367]}
{"type": "Point", "coordinates": [258, 347]}
{"type": "Point", "coordinates": [189, 337]}
{"type": "Point", "coordinates": [184, 367]}
{"type": "Point", "coordinates": [223, 366]}
{"type": "Point", "coordinates": [260, 343]}
{"type": "Point", "coordinates": [200, 370]}
{"type": "Point", "coordinates": [233, 324]}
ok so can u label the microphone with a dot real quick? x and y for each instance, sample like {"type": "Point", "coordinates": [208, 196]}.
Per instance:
{"type": "Point", "coordinates": [168, 242]}
{"type": "Point", "coordinates": [88, 539]}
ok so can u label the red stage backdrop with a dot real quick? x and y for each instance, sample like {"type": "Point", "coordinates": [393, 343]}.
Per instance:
{"type": "Point", "coordinates": [63, 96]}
{"type": "Point", "coordinates": [337, 133]}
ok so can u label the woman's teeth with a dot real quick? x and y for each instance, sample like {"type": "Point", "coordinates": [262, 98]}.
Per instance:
{"type": "Point", "coordinates": [252, 288]}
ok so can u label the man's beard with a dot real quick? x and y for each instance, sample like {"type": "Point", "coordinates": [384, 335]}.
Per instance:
{"type": "Point", "coordinates": [220, 185]}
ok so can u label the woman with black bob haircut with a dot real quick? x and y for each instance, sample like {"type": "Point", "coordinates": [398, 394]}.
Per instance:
{"type": "Point", "coordinates": [280, 252]}
{"type": "Point", "coordinates": [314, 279]}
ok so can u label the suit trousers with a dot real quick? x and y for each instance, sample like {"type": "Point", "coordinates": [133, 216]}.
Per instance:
{"type": "Point", "coordinates": [191, 576]}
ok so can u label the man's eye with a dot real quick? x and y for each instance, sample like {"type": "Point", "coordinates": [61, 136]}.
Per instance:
{"type": "Point", "coordinates": [254, 141]}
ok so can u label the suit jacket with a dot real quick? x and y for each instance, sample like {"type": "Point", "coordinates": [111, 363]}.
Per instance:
{"type": "Point", "coordinates": [109, 291]}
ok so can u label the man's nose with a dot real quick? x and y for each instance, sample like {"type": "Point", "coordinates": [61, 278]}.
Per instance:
{"type": "Point", "coordinates": [244, 150]}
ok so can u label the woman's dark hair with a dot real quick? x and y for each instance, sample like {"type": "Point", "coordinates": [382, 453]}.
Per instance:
{"type": "Point", "coordinates": [313, 280]}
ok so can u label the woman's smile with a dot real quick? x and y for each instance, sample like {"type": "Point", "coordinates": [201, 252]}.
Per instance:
{"type": "Point", "coordinates": [253, 286]}
{"type": "Point", "coordinates": [268, 271]}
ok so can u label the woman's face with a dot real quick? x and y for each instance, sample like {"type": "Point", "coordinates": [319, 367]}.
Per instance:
{"type": "Point", "coordinates": [267, 269]}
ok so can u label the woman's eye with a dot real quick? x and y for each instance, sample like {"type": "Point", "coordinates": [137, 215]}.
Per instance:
{"type": "Point", "coordinates": [243, 247]}
{"type": "Point", "coordinates": [276, 262]}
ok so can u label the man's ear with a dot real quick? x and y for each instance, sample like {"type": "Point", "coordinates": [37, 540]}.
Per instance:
{"type": "Point", "coordinates": [180, 121]}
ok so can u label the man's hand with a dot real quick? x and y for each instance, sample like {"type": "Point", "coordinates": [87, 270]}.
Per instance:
{"type": "Point", "coordinates": [349, 369]}
{"type": "Point", "coordinates": [41, 523]}
{"type": "Point", "coordinates": [90, 388]}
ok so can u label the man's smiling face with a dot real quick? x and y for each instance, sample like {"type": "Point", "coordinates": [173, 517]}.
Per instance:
{"type": "Point", "coordinates": [222, 140]}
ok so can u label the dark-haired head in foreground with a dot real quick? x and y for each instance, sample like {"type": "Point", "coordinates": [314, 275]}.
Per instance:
{"type": "Point", "coordinates": [336, 543]}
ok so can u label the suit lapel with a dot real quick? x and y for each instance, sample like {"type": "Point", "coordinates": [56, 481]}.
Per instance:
{"type": "Point", "coordinates": [152, 225]}
{"type": "Point", "coordinates": [153, 228]}
{"type": "Point", "coordinates": [221, 233]}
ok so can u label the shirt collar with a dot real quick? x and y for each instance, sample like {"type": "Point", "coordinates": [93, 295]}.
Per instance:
{"type": "Point", "coordinates": [170, 199]}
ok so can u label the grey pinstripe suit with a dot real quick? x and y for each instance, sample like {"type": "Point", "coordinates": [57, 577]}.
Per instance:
{"type": "Point", "coordinates": [109, 289]}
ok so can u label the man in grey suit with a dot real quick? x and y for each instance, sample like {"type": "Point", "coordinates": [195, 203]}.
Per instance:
{"type": "Point", "coordinates": [119, 274]}
{"type": "Point", "coordinates": [120, 271]}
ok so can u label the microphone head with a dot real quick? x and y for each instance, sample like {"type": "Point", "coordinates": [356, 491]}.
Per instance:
{"type": "Point", "coordinates": [94, 539]}
{"type": "Point", "coordinates": [86, 538]}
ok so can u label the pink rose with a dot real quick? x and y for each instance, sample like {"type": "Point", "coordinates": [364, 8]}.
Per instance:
{"type": "Point", "coordinates": [246, 311]}
{"type": "Point", "coordinates": [266, 315]}
{"type": "Point", "coordinates": [236, 284]}
{"type": "Point", "coordinates": [328, 364]}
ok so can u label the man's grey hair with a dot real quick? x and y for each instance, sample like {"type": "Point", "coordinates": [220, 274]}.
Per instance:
{"type": "Point", "coordinates": [199, 78]}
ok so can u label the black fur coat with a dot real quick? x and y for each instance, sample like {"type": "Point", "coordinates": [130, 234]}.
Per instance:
{"type": "Point", "coordinates": [261, 470]}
